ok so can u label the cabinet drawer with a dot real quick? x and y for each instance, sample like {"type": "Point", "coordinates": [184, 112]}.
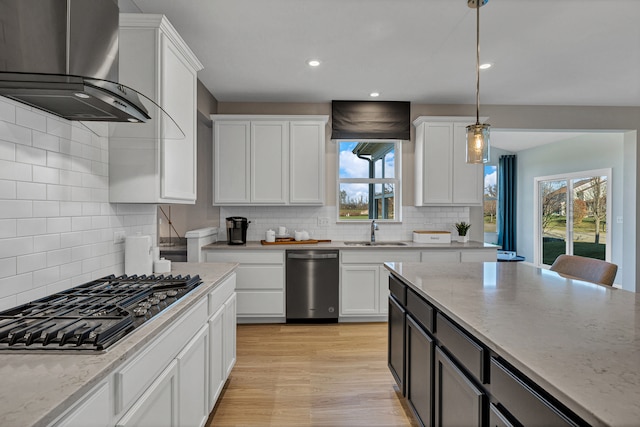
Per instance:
{"type": "Point", "coordinates": [527, 405]}
{"type": "Point", "coordinates": [497, 418]}
{"type": "Point", "coordinates": [378, 256]}
{"type": "Point", "coordinates": [398, 290]}
{"type": "Point", "coordinates": [258, 303]}
{"type": "Point", "coordinates": [136, 376]}
{"type": "Point", "coordinates": [246, 257]}
{"type": "Point", "coordinates": [221, 293]}
{"type": "Point", "coordinates": [469, 353]}
{"type": "Point", "coordinates": [420, 310]}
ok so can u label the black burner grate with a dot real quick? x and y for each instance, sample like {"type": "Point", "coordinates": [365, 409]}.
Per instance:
{"type": "Point", "coordinates": [91, 316]}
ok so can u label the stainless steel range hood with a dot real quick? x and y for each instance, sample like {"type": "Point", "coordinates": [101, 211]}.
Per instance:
{"type": "Point", "coordinates": [61, 56]}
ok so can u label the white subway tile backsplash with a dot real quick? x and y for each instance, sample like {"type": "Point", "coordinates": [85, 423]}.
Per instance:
{"type": "Point", "coordinates": [13, 285]}
{"type": "Point", "coordinates": [7, 150]}
{"type": "Point", "coordinates": [81, 194]}
{"type": "Point", "coordinates": [34, 156]}
{"type": "Point", "coordinates": [31, 295]}
{"type": "Point", "coordinates": [46, 175]}
{"type": "Point", "coordinates": [46, 209]}
{"type": "Point", "coordinates": [13, 133]}
{"type": "Point", "coordinates": [58, 225]}
{"type": "Point", "coordinates": [8, 267]}
{"type": "Point", "coordinates": [7, 189]}
{"type": "Point", "coordinates": [8, 302]}
{"type": "Point", "coordinates": [58, 192]}
{"type": "Point", "coordinates": [59, 257]}
{"type": "Point", "coordinates": [70, 240]}
{"type": "Point", "coordinates": [31, 191]}
{"type": "Point", "coordinates": [79, 253]}
{"type": "Point", "coordinates": [46, 141]}
{"type": "Point", "coordinates": [58, 161]}
{"type": "Point", "coordinates": [31, 119]}
{"type": "Point", "coordinates": [70, 270]}
{"type": "Point", "coordinates": [46, 276]}
{"type": "Point", "coordinates": [70, 208]}
{"type": "Point", "coordinates": [16, 246]}
{"type": "Point", "coordinates": [31, 262]}
{"type": "Point", "coordinates": [31, 226]}
{"type": "Point", "coordinates": [47, 242]}
{"type": "Point", "coordinates": [7, 110]}
{"type": "Point", "coordinates": [15, 171]}
{"type": "Point", "coordinates": [81, 223]}
{"type": "Point", "coordinates": [8, 228]}
{"type": "Point", "coordinates": [70, 178]}
{"type": "Point", "coordinates": [15, 209]}
{"type": "Point", "coordinates": [81, 165]}
{"type": "Point", "coordinates": [58, 127]}
{"type": "Point", "coordinates": [91, 265]}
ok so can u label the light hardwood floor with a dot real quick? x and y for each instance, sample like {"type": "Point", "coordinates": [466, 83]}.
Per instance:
{"type": "Point", "coordinates": [311, 375]}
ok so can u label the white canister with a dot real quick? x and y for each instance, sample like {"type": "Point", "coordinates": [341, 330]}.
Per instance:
{"type": "Point", "coordinates": [270, 236]}
{"type": "Point", "coordinates": [138, 255]}
{"type": "Point", "coordinates": [162, 266]}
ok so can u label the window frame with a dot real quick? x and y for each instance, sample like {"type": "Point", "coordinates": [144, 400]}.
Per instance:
{"type": "Point", "coordinates": [396, 181]}
{"type": "Point", "coordinates": [537, 206]}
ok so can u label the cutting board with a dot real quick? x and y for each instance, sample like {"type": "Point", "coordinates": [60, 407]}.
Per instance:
{"type": "Point", "coordinates": [292, 241]}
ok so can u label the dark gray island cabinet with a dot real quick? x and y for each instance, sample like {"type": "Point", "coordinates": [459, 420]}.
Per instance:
{"type": "Point", "coordinates": [450, 377]}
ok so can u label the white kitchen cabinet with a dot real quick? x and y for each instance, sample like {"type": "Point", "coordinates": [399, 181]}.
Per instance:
{"type": "Point", "coordinates": [364, 282]}
{"type": "Point", "coordinates": [151, 162]}
{"type": "Point", "coordinates": [158, 406]}
{"type": "Point", "coordinates": [442, 176]}
{"type": "Point", "coordinates": [260, 283]}
{"type": "Point", "coordinates": [460, 255]}
{"type": "Point", "coordinates": [193, 386]}
{"type": "Point", "coordinates": [216, 356]}
{"type": "Point", "coordinates": [268, 160]}
{"type": "Point", "coordinates": [229, 334]}
{"type": "Point", "coordinates": [94, 411]}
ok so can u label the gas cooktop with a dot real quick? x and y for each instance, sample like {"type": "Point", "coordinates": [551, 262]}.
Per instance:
{"type": "Point", "coordinates": [92, 316]}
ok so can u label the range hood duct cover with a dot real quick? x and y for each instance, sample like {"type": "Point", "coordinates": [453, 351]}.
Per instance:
{"type": "Point", "coordinates": [61, 56]}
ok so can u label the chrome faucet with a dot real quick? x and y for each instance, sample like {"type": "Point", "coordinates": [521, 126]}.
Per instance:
{"type": "Point", "coordinates": [374, 227]}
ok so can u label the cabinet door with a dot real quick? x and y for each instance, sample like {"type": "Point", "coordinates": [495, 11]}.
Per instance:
{"type": "Point", "coordinates": [95, 411]}
{"type": "Point", "coordinates": [437, 157]}
{"type": "Point", "coordinates": [306, 178]}
{"type": "Point", "coordinates": [231, 162]}
{"type": "Point", "coordinates": [458, 401]}
{"type": "Point", "coordinates": [420, 347]}
{"type": "Point", "coordinates": [396, 343]}
{"type": "Point", "coordinates": [178, 156]}
{"type": "Point", "coordinates": [269, 162]}
{"type": "Point", "coordinates": [158, 406]}
{"type": "Point", "coordinates": [193, 374]}
{"type": "Point", "coordinates": [360, 290]}
{"type": "Point", "coordinates": [229, 335]}
{"type": "Point", "coordinates": [487, 255]}
{"type": "Point", "coordinates": [216, 357]}
{"type": "Point", "coordinates": [468, 182]}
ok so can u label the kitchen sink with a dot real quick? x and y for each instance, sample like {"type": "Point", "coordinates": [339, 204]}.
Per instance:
{"type": "Point", "coordinates": [365, 243]}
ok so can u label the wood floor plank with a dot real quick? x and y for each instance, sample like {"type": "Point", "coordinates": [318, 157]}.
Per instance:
{"type": "Point", "coordinates": [311, 375]}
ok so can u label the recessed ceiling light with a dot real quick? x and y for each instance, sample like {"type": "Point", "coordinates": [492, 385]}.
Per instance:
{"type": "Point", "coordinates": [485, 66]}
{"type": "Point", "coordinates": [313, 62]}
{"type": "Point", "coordinates": [374, 94]}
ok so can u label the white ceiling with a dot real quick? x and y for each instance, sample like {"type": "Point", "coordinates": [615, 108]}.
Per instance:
{"type": "Point", "coordinates": [544, 52]}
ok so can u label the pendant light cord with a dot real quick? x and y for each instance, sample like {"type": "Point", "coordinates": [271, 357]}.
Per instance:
{"type": "Point", "coordinates": [478, 3]}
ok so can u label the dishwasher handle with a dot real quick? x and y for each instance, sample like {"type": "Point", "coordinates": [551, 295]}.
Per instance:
{"type": "Point", "coordinates": [312, 256]}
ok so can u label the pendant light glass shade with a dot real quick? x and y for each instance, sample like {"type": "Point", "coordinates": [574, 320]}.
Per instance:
{"type": "Point", "coordinates": [477, 134]}
{"type": "Point", "coordinates": [478, 143]}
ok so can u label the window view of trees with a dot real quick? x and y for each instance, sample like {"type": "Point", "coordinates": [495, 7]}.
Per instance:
{"type": "Point", "coordinates": [573, 217]}
{"type": "Point", "coordinates": [366, 180]}
{"type": "Point", "coordinates": [490, 202]}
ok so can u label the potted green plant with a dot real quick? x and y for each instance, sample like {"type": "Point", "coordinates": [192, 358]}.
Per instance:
{"type": "Point", "coordinates": [462, 228]}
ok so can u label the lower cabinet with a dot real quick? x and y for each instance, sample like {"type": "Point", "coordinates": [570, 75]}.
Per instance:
{"type": "Point", "coordinates": [450, 378]}
{"type": "Point", "coordinates": [419, 389]}
{"type": "Point", "coordinates": [158, 406]}
{"type": "Point", "coordinates": [176, 378]}
{"type": "Point", "coordinates": [458, 402]}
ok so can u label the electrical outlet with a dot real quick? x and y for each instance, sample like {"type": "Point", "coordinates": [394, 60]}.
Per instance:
{"type": "Point", "coordinates": [323, 221]}
{"type": "Point", "coordinates": [118, 237]}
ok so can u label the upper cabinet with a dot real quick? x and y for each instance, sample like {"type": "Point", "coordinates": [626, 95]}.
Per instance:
{"type": "Point", "coordinates": [155, 162]}
{"type": "Point", "coordinates": [443, 177]}
{"type": "Point", "coordinates": [268, 160]}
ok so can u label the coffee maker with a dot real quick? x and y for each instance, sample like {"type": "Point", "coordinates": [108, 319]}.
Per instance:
{"type": "Point", "coordinates": [237, 230]}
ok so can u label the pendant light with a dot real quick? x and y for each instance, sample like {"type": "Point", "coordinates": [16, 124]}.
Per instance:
{"type": "Point", "coordinates": [477, 134]}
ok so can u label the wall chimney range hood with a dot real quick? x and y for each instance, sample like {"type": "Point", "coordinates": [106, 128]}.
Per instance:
{"type": "Point", "coordinates": [61, 56]}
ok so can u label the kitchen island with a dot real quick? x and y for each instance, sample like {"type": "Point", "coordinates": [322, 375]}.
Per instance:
{"type": "Point", "coordinates": [516, 331]}
{"type": "Point", "coordinates": [44, 389]}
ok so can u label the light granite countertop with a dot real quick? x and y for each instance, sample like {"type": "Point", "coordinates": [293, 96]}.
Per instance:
{"type": "Point", "coordinates": [37, 388]}
{"type": "Point", "coordinates": [339, 244]}
{"type": "Point", "coordinates": [579, 341]}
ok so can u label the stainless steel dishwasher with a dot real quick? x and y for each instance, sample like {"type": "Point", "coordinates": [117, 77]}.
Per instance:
{"type": "Point", "coordinates": [312, 285]}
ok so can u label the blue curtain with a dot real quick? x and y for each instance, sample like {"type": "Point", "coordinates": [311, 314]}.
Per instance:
{"type": "Point", "coordinates": [507, 202]}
